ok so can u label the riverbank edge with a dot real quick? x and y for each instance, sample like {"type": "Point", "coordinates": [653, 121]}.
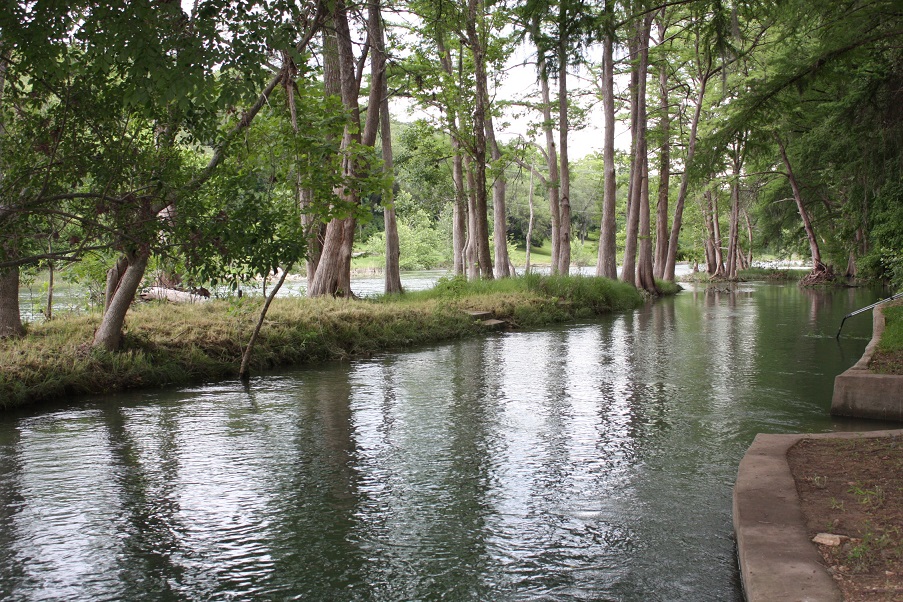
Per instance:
{"type": "Point", "coordinates": [861, 393]}
{"type": "Point", "coordinates": [777, 559]}
{"type": "Point", "coordinates": [169, 344]}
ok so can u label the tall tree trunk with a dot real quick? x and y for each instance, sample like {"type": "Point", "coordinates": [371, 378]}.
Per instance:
{"type": "Point", "coordinates": [109, 334]}
{"type": "Point", "coordinates": [817, 265]}
{"type": "Point", "coordinates": [10, 318]}
{"type": "Point", "coordinates": [378, 118]}
{"type": "Point", "coordinates": [393, 250]}
{"type": "Point", "coordinates": [733, 245]}
{"type": "Point", "coordinates": [645, 275]}
{"type": "Point", "coordinates": [500, 222]}
{"type": "Point", "coordinates": [850, 272]}
{"type": "Point", "coordinates": [332, 86]}
{"type": "Point", "coordinates": [717, 241]}
{"type": "Point", "coordinates": [459, 213]}
{"type": "Point", "coordinates": [606, 264]}
{"type": "Point", "coordinates": [470, 246]}
{"type": "Point", "coordinates": [645, 278]}
{"type": "Point", "coordinates": [552, 159]}
{"type": "Point", "coordinates": [529, 226]}
{"type": "Point", "coordinates": [333, 275]}
{"type": "Point", "coordinates": [749, 236]}
{"type": "Point", "coordinates": [671, 260]}
{"type": "Point", "coordinates": [564, 238]}
{"type": "Point", "coordinates": [664, 170]}
{"type": "Point", "coordinates": [638, 129]}
{"type": "Point", "coordinates": [710, 260]}
{"type": "Point", "coordinates": [48, 313]}
{"type": "Point", "coordinates": [459, 217]}
{"type": "Point", "coordinates": [475, 33]}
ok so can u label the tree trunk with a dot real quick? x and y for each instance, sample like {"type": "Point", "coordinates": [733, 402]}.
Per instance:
{"type": "Point", "coordinates": [390, 224]}
{"type": "Point", "coordinates": [329, 279]}
{"type": "Point", "coordinates": [645, 278]}
{"type": "Point", "coordinates": [710, 261]}
{"type": "Point", "coordinates": [607, 264]}
{"type": "Point", "coordinates": [671, 260]}
{"type": "Point", "coordinates": [645, 275]}
{"type": "Point", "coordinates": [851, 271]}
{"type": "Point", "coordinates": [246, 356]}
{"type": "Point", "coordinates": [377, 74]}
{"type": "Point", "coordinates": [109, 334]}
{"type": "Point", "coordinates": [10, 317]}
{"type": "Point", "coordinates": [564, 238]}
{"type": "Point", "coordinates": [470, 246]}
{"type": "Point", "coordinates": [114, 275]}
{"type": "Point", "coordinates": [716, 241]}
{"type": "Point", "coordinates": [664, 172]}
{"type": "Point", "coordinates": [500, 222]}
{"type": "Point", "coordinates": [393, 250]}
{"type": "Point", "coordinates": [817, 265]}
{"type": "Point", "coordinates": [343, 284]}
{"type": "Point", "coordinates": [333, 274]}
{"type": "Point", "coordinates": [459, 217]}
{"type": "Point", "coordinates": [48, 313]}
{"type": "Point", "coordinates": [638, 128]}
{"type": "Point", "coordinates": [749, 236]}
{"type": "Point", "coordinates": [481, 103]}
{"type": "Point", "coordinates": [529, 226]}
{"type": "Point", "coordinates": [459, 213]}
{"type": "Point", "coordinates": [552, 159]}
{"type": "Point", "coordinates": [332, 86]}
{"type": "Point", "coordinates": [733, 245]}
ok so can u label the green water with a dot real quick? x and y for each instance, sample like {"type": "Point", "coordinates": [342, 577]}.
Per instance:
{"type": "Point", "coordinates": [592, 462]}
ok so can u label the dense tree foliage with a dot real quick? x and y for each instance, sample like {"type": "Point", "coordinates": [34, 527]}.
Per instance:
{"type": "Point", "coordinates": [228, 140]}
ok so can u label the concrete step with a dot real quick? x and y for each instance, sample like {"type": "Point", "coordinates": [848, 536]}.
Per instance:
{"type": "Point", "coordinates": [494, 324]}
{"type": "Point", "coordinates": [480, 315]}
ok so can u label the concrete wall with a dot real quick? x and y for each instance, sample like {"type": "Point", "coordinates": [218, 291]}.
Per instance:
{"type": "Point", "coordinates": [861, 393]}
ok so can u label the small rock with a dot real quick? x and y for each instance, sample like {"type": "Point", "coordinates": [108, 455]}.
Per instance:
{"type": "Point", "coordinates": [889, 573]}
{"type": "Point", "coordinates": [829, 539]}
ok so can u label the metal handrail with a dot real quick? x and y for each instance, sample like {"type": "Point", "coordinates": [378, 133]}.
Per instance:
{"type": "Point", "coordinates": [859, 311]}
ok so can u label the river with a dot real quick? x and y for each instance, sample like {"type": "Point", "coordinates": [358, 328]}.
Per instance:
{"type": "Point", "coordinates": [588, 462]}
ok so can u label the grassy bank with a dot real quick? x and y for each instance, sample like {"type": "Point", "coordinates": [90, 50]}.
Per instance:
{"type": "Point", "coordinates": [889, 356]}
{"type": "Point", "coordinates": [180, 344]}
{"type": "Point", "coordinates": [752, 275]}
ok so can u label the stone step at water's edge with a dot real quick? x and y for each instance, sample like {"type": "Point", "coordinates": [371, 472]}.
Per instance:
{"type": "Point", "coordinates": [494, 324]}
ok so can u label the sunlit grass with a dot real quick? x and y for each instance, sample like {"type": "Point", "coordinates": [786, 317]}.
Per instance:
{"type": "Point", "coordinates": [892, 337]}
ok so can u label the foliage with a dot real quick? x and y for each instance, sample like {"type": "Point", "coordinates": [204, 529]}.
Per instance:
{"type": "Point", "coordinates": [423, 245]}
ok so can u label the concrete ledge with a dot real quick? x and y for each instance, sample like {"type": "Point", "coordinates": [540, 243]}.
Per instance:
{"type": "Point", "coordinates": [778, 562]}
{"type": "Point", "coordinates": [861, 393]}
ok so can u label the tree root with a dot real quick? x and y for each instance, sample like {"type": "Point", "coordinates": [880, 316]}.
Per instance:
{"type": "Point", "coordinates": [822, 274]}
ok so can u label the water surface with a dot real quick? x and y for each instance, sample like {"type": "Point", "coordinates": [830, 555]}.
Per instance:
{"type": "Point", "coordinates": [588, 462]}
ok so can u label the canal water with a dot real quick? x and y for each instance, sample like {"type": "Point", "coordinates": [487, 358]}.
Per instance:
{"type": "Point", "coordinates": [587, 462]}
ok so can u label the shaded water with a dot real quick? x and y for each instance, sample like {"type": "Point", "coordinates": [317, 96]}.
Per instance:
{"type": "Point", "coordinates": [593, 462]}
